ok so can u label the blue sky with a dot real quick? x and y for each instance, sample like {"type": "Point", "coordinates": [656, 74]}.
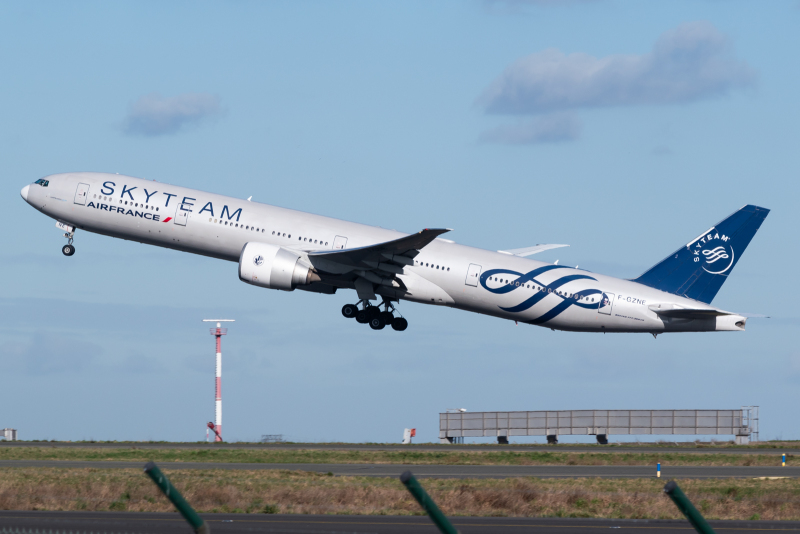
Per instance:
{"type": "Point", "coordinates": [622, 128]}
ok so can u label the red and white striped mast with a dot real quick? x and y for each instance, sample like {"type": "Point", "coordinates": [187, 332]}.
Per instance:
{"type": "Point", "coordinates": [218, 333]}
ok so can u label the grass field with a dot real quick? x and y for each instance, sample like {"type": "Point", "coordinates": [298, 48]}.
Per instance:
{"type": "Point", "coordinates": [305, 493]}
{"type": "Point", "coordinates": [409, 456]}
{"type": "Point", "coordinates": [776, 444]}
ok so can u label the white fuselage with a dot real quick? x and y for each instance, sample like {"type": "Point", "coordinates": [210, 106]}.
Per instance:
{"type": "Point", "coordinates": [444, 273]}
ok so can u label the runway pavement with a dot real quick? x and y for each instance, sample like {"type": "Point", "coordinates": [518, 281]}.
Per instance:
{"type": "Point", "coordinates": [632, 448]}
{"type": "Point", "coordinates": [447, 471]}
{"type": "Point", "coordinates": [165, 523]}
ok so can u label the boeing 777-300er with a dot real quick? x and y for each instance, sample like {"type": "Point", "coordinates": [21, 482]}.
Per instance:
{"type": "Point", "coordinates": [279, 248]}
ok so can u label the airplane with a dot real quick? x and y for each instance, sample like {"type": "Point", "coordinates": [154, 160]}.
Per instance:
{"type": "Point", "coordinates": [284, 249]}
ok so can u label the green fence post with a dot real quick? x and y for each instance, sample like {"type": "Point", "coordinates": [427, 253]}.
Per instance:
{"type": "Point", "coordinates": [188, 513]}
{"type": "Point", "coordinates": [427, 503]}
{"type": "Point", "coordinates": [685, 505]}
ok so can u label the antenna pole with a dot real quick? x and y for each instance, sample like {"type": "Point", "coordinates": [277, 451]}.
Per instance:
{"type": "Point", "coordinates": [218, 332]}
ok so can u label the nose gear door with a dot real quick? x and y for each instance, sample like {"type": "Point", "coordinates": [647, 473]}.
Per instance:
{"type": "Point", "coordinates": [81, 193]}
{"type": "Point", "coordinates": [473, 274]}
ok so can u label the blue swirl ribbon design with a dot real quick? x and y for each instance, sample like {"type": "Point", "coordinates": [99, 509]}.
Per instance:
{"type": "Point", "coordinates": [548, 289]}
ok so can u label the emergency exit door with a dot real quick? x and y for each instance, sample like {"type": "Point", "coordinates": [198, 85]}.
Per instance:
{"type": "Point", "coordinates": [606, 304]}
{"type": "Point", "coordinates": [339, 243]}
{"type": "Point", "coordinates": [81, 193]}
{"type": "Point", "coordinates": [473, 274]}
{"type": "Point", "coordinates": [181, 216]}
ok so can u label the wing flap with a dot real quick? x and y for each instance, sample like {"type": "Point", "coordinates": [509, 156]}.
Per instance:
{"type": "Point", "coordinates": [399, 250]}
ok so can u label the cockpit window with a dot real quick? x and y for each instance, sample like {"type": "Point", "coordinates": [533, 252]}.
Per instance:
{"type": "Point", "coordinates": [42, 182]}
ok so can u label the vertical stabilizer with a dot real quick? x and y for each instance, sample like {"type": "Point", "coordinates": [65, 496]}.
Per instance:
{"type": "Point", "coordinates": [699, 269]}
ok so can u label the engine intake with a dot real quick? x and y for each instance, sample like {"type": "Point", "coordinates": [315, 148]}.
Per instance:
{"type": "Point", "coordinates": [273, 267]}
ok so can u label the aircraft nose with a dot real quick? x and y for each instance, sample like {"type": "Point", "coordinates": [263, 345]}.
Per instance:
{"type": "Point", "coordinates": [24, 192]}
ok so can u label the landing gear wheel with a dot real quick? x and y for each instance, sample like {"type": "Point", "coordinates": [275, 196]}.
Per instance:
{"type": "Point", "coordinates": [399, 324]}
{"type": "Point", "coordinates": [68, 250]}
{"type": "Point", "coordinates": [372, 311]}
{"type": "Point", "coordinates": [387, 317]}
{"type": "Point", "coordinates": [362, 317]}
{"type": "Point", "coordinates": [376, 323]}
{"type": "Point", "coordinates": [349, 310]}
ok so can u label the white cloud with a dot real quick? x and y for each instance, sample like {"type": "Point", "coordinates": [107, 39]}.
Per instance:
{"type": "Point", "coordinates": [553, 128]}
{"type": "Point", "coordinates": [691, 62]}
{"type": "Point", "coordinates": [153, 115]}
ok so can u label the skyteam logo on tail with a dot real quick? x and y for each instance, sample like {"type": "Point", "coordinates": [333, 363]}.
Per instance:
{"type": "Point", "coordinates": [512, 280]}
{"type": "Point", "coordinates": [714, 251]}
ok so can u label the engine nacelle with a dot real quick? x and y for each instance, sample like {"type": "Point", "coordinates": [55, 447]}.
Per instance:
{"type": "Point", "coordinates": [273, 267]}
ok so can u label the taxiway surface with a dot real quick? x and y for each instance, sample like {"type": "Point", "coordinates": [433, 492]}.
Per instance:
{"type": "Point", "coordinates": [169, 523]}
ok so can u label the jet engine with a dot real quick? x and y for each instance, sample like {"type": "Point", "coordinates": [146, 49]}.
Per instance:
{"type": "Point", "coordinates": [274, 267]}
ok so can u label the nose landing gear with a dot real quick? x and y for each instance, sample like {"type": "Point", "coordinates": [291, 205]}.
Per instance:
{"type": "Point", "coordinates": [373, 315]}
{"type": "Point", "coordinates": [68, 249]}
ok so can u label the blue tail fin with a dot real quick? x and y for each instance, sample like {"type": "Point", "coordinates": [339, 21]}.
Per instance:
{"type": "Point", "coordinates": [698, 270]}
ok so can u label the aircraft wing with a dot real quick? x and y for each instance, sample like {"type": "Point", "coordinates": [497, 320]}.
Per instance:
{"type": "Point", "coordinates": [388, 254]}
{"type": "Point", "coordinates": [529, 251]}
{"type": "Point", "coordinates": [673, 311]}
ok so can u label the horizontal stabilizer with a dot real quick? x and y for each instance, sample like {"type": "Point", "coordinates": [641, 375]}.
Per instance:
{"type": "Point", "coordinates": [678, 312]}
{"type": "Point", "coordinates": [529, 251]}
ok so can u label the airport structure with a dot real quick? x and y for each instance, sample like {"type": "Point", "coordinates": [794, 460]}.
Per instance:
{"type": "Point", "coordinates": [218, 333]}
{"type": "Point", "coordinates": [10, 434]}
{"type": "Point", "coordinates": [741, 423]}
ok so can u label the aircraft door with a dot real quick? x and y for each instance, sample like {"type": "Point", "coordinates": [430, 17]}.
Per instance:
{"type": "Point", "coordinates": [181, 216]}
{"type": "Point", "coordinates": [473, 275]}
{"type": "Point", "coordinates": [606, 304]}
{"type": "Point", "coordinates": [81, 193]}
{"type": "Point", "coordinates": [339, 242]}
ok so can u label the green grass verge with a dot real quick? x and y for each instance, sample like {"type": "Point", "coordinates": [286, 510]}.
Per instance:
{"type": "Point", "coordinates": [282, 491]}
{"type": "Point", "coordinates": [410, 456]}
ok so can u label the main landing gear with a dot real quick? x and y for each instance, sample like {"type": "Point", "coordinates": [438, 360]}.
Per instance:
{"type": "Point", "coordinates": [68, 249]}
{"type": "Point", "coordinates": [373, 316]}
